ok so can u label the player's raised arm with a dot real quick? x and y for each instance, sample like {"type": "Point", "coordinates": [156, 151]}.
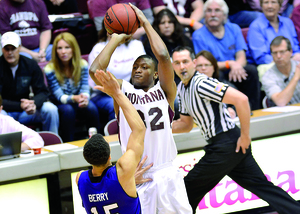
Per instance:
{"type": "Point", "coordinates": [102, 60]}
{"type": "Point", "coordinates": [165, 69]}
{"type": "Point", "coordinates": [127, 164]}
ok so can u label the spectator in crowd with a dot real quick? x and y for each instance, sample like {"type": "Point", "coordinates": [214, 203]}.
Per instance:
{"type": "Point", "coordinates": [67, 77]}
{"type": "Point", "coordinates": [188, 12]}
{"type": "Point", "coordinates": [61, 6]}
{"type": "Point", "coordinates": [281, 82]}
{"type": "Point", "coordinates": [245, 12]}
{"type": "Point", "coordinates": [30, 138]}
{"type": "Point", "coordinates": [120, 66]}
{"type": "Point", "coordinates": [207, 64]}
{"type": "Point", "coordinates": [287, 6]}
{"type": "Point", "coordinates": [23, 88]}
{"type": "Point", "coordinates": [228, 151]}
{"type": "Point", "coordinates": [296, 20]}
{"type": "Point", "coordinates": [171, 31]}
{"type": "Point", "coordinates": [29, 19]}
{"type": "Point", "coordinates": [226, 42]}
{"type": "Point", "coordinates": [99, 8]}
{"type": "Point", "coordinates": [265, 28]}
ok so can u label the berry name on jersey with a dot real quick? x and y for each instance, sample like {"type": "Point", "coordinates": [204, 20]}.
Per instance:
{"type": "Point", "coordinates": [98, 197]}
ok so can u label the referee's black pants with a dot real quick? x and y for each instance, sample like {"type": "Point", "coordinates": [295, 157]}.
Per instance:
{"type": "Point", "coordinates": [220, 159]}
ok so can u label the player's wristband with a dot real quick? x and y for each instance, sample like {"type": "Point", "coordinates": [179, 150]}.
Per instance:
{"type": "Point", "coordinates": [192, 22]}
{"type": "Point", "coordinates": [227, 64]}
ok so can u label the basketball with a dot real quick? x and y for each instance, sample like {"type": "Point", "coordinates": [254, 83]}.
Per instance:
{"type": "Point", "coordinates": [121, 18]}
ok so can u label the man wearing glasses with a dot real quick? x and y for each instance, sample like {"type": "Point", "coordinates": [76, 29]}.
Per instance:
{"type": "Point", "coordinates": [281, 82]}
{"type": "Point", "coordinates": [227, 44]}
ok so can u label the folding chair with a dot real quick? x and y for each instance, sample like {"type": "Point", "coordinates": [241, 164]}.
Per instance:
{"type": "Point", "coordinates": [112, 127]}
{"type": "Point", "coordinates": [50, 138]}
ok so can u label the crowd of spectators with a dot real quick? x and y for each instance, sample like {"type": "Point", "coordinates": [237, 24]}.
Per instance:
{"type": "Point", "coordinates": [210, 27]}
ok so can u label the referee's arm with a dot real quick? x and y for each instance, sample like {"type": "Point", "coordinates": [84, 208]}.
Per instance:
{"type": "Point", "coordinates": [241, 103]}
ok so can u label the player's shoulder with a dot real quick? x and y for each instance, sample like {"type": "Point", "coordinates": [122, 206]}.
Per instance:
{"type": "Point", "coordinates": [78, 176]}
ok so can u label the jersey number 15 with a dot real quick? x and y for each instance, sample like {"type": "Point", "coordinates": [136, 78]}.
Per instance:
{"type": "Point", "coordinates": [106, 208]}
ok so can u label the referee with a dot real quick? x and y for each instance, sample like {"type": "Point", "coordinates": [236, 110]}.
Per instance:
{"type": "Point", "coordinates": [201, 100]}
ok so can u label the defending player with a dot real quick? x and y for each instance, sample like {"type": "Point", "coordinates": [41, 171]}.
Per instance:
{"type": "Point", "coordinates": [155, 104]}
{"type": "Point", "coordinates": [107, 187]}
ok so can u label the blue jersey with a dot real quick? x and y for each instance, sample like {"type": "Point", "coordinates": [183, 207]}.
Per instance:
{"type": "Point", "coordinates": [105, 195]}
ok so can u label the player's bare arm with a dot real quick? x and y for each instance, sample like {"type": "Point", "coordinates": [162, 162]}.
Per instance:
{"type": "Point", "coordinates": [241, 103]}
{"type": "Point", "coordinates": [165, 69]}
{"type": "Point", "coordinates": [183, 124]}
{"type": "Point", "coordinates": [129, 161]}
{"type": "Point", "coordinates": [102, 60]}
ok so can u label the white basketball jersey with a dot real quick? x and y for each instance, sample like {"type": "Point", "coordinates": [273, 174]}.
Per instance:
{"type": "Point", "coordinates": [155, 111]}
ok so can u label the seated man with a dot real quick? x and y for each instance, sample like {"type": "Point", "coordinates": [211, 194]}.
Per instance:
{"type": "Point", "coordinates": [22, 87]}
{"type": "Point", "coordinates": [281, 82]}
{"type": "Point", "coordinates": [29, 19]}
{"type": "Point", "coordinates": [225, 41]}
{"type": "Point", "coordinates": [30, 138]}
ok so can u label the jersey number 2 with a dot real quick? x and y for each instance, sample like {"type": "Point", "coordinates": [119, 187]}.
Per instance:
{"type": "Point", "coordinates": [106, 208]}
{"type": "Point", "coordinates": [154, 122]}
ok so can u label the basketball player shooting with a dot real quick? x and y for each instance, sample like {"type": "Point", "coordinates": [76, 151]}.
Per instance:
{"type": "Point", "coordinates": [155, 104]}
{"type": "Point", "coordinates": [107, 188]}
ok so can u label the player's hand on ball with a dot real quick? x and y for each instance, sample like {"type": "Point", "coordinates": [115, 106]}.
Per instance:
{"type": "Point", "coordinates": [123, 38]}
{"type": "Point", "coordinates": [142, 18]}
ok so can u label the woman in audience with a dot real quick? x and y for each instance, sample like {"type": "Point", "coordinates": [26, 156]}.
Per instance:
{"type": "Point", "coordinates": [171, 31]}
{"type": "Point", "coordinates": [265, 28]}
{"type": "Point", "coordinates": [67, 77]}
{"type": "Point", "coordinates": [207, 64]}
{"type": "Point", "coordinates": [120, 66]}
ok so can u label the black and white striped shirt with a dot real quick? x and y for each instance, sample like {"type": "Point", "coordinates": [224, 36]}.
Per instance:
{"type": "Point", "coordinates": [202, 100]}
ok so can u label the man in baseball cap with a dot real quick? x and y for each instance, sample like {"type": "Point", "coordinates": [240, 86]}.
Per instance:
{"type": "Point", "coordinates": [10, 38]}
{"type": "Point", "coordinates": [11, 42]}
{"type": "Point", "coordinates": [20, 77]}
